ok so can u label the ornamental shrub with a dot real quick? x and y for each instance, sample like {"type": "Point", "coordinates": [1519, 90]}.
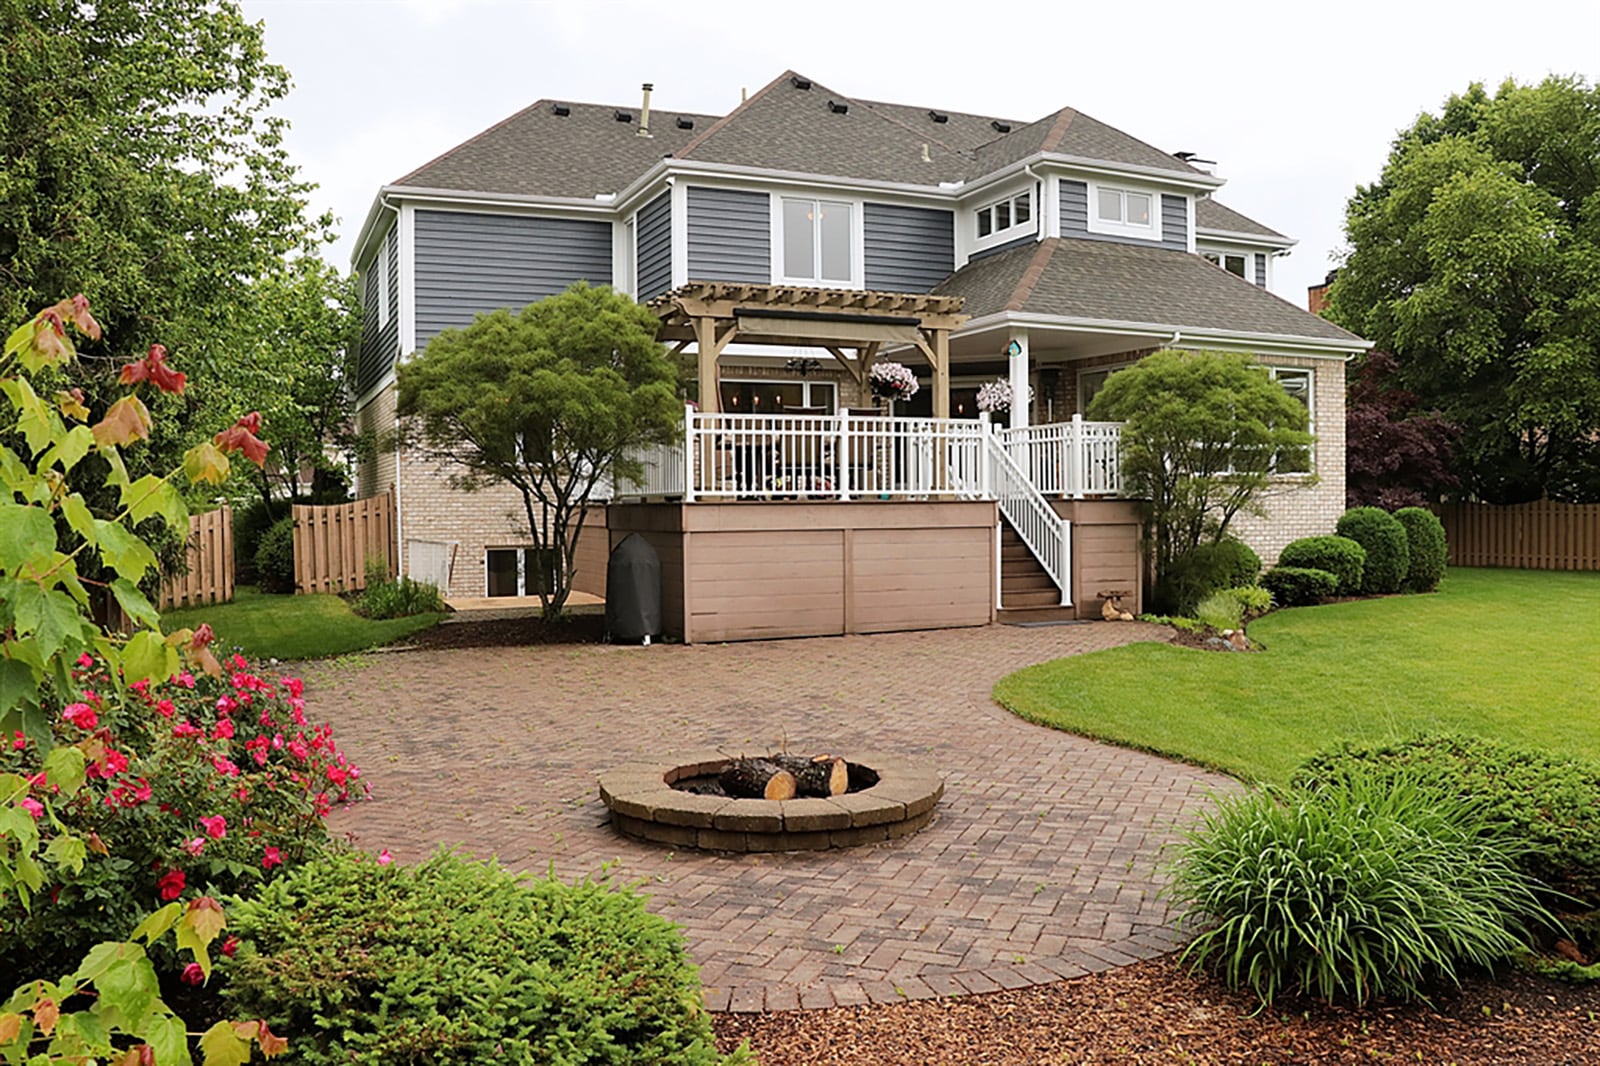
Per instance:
{"type": "Point", "coordinates": [1253, 600]}
{"type": "Point", "coordinates": [1299, 586]}
{"type": "Point", "coordinates": [1362, 887]}
{"type": "Point", "coordinates": [1428, 550]}
{"type": "Point", "coordinates": [275, 558]}
{"type": "Point", "coordinates": [1198, 573]}
{"type": "Point", "coordinates": [399, 598]}
{"type": "Point", "coordinates": [1220, 611]}
{"type": "Point", "coordinates": [1388, 557]}
{"type": "Point", "coordinates": [1551, 803]}
{"type": "Point", "coordinates": [458, 961]}
{"type": "Point", "coordinates": [1340, 556]}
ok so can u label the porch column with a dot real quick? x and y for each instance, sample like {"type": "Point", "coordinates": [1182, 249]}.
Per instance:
{"type": "Point", "coordinates": [1017, 351]}
{"type": "Point", "coordinates": [705, 342]}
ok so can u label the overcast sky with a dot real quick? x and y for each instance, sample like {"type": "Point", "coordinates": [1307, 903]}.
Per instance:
{"type": "Point", "coordinates": [1296, 102]}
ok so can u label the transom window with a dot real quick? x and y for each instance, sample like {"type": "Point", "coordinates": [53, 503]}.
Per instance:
{"type": "Point", "coordinates": [1014, 212]}
{"type": "Point", "coordinates": [817, 240]}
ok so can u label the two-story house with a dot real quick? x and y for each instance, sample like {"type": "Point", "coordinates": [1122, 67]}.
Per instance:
{"type": "Point", "coordinates": [1049, 253]}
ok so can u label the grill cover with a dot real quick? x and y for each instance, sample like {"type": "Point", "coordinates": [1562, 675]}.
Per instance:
{"type": "Point", "coordinates": [633, 591]}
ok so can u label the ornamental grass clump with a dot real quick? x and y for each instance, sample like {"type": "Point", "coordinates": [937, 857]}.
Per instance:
{"type": "Point", "coordinates": [1360, 889]}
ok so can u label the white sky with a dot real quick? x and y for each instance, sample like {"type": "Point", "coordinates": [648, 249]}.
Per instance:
{"type": "Point", "coordinates": [1297, 102]}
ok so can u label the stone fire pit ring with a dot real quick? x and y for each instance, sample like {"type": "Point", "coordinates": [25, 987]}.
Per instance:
{"type": "Point", "coordinates": [645, 806]}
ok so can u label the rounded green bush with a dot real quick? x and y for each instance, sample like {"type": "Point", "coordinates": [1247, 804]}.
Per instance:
{"type": "Point", "coordinates": [1297, 586]}
{"type": "Point", "coordinates": [1384, 538]}
{"type": "Point", "coordinates": [275, 558]}
{"type": "Point", "coordinates": [458, 961]}
{"type": "Point", "coordinates": [1426, 541]}
{"type": "Point", "coordinates": [1357, 889]}
{"type": "Point", "coordinates": [1339, 556]}
{"type": "Point", "coordinates": [1208, 568]}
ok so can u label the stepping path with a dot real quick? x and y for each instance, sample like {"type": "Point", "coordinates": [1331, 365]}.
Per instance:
{"type": "Point", "coordinates": [1041, 863]}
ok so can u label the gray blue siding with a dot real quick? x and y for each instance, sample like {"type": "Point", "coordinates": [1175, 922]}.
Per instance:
{"type": "Point", "coordinates": [1175, 222]}
{"type": "Point", "coordinates": [1260, 270]}
{"type": "Point", "coordinates": [380, 342]}
{"type": "Point", "coordinates": [653, 234]}
{"type": "Point", "coordinates": [467, 263]}
{"type": "Point", "coordinates": [907, 249]}
{"type": "Point", "coordinates": [730, 235]}
{"type": "Point", "coordinates": [1075, 218]}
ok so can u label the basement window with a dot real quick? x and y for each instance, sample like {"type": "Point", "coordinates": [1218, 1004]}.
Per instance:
{"type": "Point", "coordinates": [519, 571]}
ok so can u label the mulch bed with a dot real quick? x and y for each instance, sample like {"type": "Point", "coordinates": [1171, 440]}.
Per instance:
{"type": "Point", "coordinates": [1153, 1012]}
{"type": "Point", "coordinates": [512, 633]}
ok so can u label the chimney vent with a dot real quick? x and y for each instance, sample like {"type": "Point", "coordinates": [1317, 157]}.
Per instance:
{"type": "Point", "coordinates": [838, 108]}
{"type": "Point", "coordinates": [644, 111]}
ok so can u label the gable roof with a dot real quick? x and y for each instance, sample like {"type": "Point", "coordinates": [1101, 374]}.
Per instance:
{"type": "Point", "coordinates": [1210, 215]}
{"type": "Point", "coordinates": [1110, 282]}
{"type": "Point", "coordinates": [537, 152]}
{"type": "Point", "coordinates": [1071, 132]}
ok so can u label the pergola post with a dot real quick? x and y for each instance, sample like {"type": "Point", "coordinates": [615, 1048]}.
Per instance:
{"type": "Point", "coordinates": [705, 342]}
{"type": "Point", "coordinates": [941, 373]}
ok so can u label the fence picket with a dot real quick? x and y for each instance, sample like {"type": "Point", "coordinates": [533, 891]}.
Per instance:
{"type": "Point", "coordinates": [1541, 535]}
{"type": "Point", "coordinates": [333, 543]}
{"type": "Point", "coordinates": [209, 554]}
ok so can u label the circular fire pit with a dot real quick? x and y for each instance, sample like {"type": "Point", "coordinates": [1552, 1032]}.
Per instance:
{"type": "Point", "coordinates": [645, 805]}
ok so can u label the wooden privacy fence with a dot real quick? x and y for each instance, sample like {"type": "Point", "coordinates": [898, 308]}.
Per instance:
{"type": "Point", "coordinates": [332, 544]}
{"type": "Point", "coordinates": [209, 576]}
{"type": "Point", "coordinates": [1542, 535]}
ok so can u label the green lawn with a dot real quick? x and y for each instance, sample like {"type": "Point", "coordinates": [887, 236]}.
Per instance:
{"type": "Point", "coordinates": [1512, 655]}
{"type": "Point", "coordinates": [293, 627]}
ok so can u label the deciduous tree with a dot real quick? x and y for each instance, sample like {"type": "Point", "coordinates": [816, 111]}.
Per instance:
{"type": "Point", "coordinates": [550, 400]}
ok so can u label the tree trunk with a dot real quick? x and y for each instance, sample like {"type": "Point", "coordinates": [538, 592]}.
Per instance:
{"type": "Point", "coordinates": [821, 775]}
{"type": "Point", "coordinates": [757, 779]}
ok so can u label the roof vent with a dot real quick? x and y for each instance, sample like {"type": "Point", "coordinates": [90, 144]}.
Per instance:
{"type": "Point", "coordinates": [624, 116]}
{"type": "Point", "coordinates": [939, 117]}
{"type": "Point", "coordinates": [1193, 158]}
{"type": "Point", "coordinates": [685, 123]}
{"type": "Point", "coordinates": [1001, 127]}
{"type": "Point", "coordinates": [803, 84]}
{"type": "Point", "coordinates": [560, 110]}
{"type": "Point", "coordinates": [838, 108]}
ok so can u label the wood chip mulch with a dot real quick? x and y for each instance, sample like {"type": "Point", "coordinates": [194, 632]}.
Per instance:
{"type": "Point", "coordinates": [1153, 1012]}
{"type": "Point", "coordinates": [512, 633]}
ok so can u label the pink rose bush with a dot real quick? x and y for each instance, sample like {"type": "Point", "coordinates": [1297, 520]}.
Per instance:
{"type": "Point", "coordinates": [198, 785]}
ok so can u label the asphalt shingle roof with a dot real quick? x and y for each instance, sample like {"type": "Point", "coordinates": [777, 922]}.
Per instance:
{"type": "Point", "coordinates": [537, 152]}
{"type": "Point", "coordinates": [1210, 215]}
{"type": "Point", "coordinates": [1128, 283]}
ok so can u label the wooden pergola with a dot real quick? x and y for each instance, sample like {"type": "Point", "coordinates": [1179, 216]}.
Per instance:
{"type": "Point", "coordinates": [712, 315]}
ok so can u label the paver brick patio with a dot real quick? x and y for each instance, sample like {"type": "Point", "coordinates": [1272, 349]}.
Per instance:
{"type": "Point", "coordinates": [1041, 861]}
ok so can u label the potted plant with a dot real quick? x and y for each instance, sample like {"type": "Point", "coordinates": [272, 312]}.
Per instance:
{"type": "Point", "coordinates": [892, 381]}
{"type": "Point", "coordinates": [994, 397]}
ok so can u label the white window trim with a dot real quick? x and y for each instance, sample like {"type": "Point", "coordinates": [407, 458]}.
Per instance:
{"type": "Point", "coordinates": [1011, 232]}
{"type": "Point", "coordinates": [1311, 414]}
{"type": "Point", "coordinates": [858, 259]}
{"type": "Point", "coordinates": [381, 262]}
{"type": "Point", "coordinates": [1204, 248]}
{"type": "Point", "coordinates": [1097, 224]}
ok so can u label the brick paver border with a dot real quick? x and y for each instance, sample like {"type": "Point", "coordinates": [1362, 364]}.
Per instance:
{"type": "Point", "coordinates": [1041, 862]}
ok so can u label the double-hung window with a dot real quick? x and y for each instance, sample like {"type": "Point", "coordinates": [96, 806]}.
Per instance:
{"type": "Point", "coordinates": [1298, 384]}
{"type": "Point", "coordinates": [1125, 212]}
{"type": "Point", "coordinates": [818, 241]}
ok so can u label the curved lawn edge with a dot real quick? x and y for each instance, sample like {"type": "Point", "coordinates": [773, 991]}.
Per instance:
{"type": "Point", "coordinates": [1365, 671]}
{"type": "Point", "coordinates": [297, 628]}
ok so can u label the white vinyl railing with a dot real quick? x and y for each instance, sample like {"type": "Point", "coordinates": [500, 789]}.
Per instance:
{"type": "Point", "coordinates": [1047, 535]}
{"type": "Point", "coordinates": [1075, 458]}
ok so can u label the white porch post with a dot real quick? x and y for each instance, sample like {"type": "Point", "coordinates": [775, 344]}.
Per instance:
{"type": "Point", "coordinates": [841, 455]}
{"type": "Point", "coordinates": [1018, 350]}
{"type": "Point", "coordinates": [689, 449]}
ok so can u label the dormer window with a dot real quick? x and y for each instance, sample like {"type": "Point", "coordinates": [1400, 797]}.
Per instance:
{"type": "Point", "coordinates": [1013, 213]}
{"type": "Point", "coordinates": [1232, 262]}
{"type": "Point", "coordinates": [1125, 212]}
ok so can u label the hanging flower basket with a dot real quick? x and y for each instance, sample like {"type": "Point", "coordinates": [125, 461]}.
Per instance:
{"type": "Point", "coordinates": [892, 381]}
{"type": "Point", "coordinates": [995, 397]}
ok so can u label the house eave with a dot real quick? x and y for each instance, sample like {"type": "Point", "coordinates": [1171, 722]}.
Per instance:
{"type": "Point", "coordinates": [1324, 346]}
{"type": "Point", "coordinates": [379, 207]}
{"type": "Point", "coordinates": [1260, 240]}
{"type": "Point", "coordinates": [462, 197]}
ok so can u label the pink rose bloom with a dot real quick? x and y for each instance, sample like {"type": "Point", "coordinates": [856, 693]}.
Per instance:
{"type": "Point", "coordinates": [81, 715]}
{"type": "Point", "coordinates": [165, 708]}
{"type": "Point", "coordinates": [33, 807]}
{"type": "Point", "coordinates": [19, 741]}
{"type": "Point", "coordinates": [225, 767]}
{"type": "Point", "coordinates": [195, 845]}
{"type": "Point", "coordinates": [171, 885]}
{"type": "Point", "coordinates": [193, 974]}
{"type": "Point", "coordinates": [229, 946]}
{"type": "Point", "coordinates": [186, 729]}
{"type": "Point", "coordinates": [223, 730]}
{"type": "Point", "coordinates": [384, 858]}
{"type": "Point", "coordinates": [216, 826]}
{"type": "Point", "coordinates": [186, 679]}
{"type": "Point", "coordinates": [85, 660]}
{"type": "Point", "coordinates": [271, 857]}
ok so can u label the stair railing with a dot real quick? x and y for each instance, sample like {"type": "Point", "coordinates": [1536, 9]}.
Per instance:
{"type": "Point", "coordinates": [1047, 535]}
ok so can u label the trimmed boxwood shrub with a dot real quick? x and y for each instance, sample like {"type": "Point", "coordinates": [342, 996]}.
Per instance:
{"type": "Point", "coordinates": [1360, 887]}
{"type": "Point", "coordinates": [1298, 586]}
{"type": "Point", "coordinates": [1384, 539]}
{"type": "Point", "coordinates": [1339, 556]}
{"type": "Point", "coordinates": [1227, 563]}
{"type": "Point", "coordinates": [1426, 541]}
{"type": "Point", "coordinates": [275, 558]}
{"type": "Point", "coordinates": [1552, 802]}
{"type": "Point", "coordinates": [459, 961]}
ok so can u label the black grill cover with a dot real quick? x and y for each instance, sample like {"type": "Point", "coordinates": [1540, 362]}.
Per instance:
{"type": "Point", "coordinates": [633, 590]}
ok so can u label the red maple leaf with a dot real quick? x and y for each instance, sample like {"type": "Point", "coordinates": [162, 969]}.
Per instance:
{"type": "Point", "coordinates": [154, 369]}
{"type": "Point", "coordinates": [77, 309]}
{"type": "Point", "coordinates": [241, 437]}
